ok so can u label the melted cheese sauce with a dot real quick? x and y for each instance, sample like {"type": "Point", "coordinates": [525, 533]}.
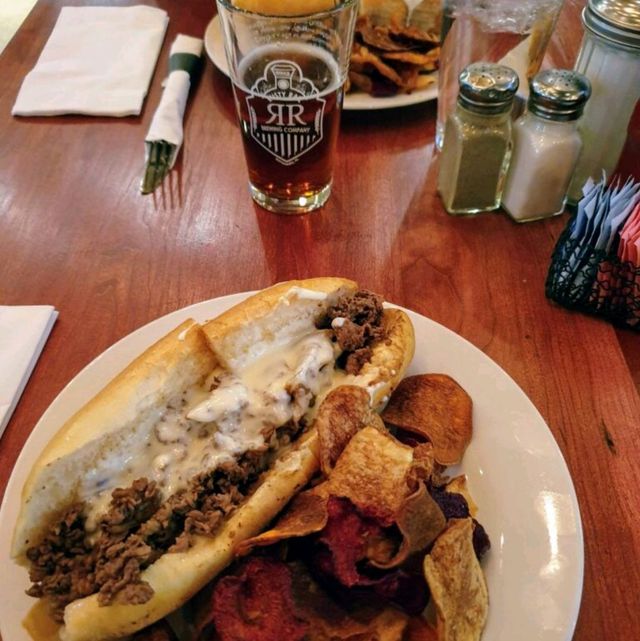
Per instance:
{"type": "Point", "coordinates": [219, 421]}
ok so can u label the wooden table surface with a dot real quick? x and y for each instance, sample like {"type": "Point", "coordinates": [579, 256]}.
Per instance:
{"type": "Point", "coordinates": [75, 233]}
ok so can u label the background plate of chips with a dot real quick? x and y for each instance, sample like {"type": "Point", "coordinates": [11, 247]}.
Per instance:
{"type": "Point", "coordinates": [516, 475]}
{"type": "Point", "coordinates": [214, 46]}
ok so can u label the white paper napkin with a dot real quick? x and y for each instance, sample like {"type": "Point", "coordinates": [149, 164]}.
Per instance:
{"type": "Point", "coordinates": [23, 332]}
{"type": "Point", "coordinates": [98, 61]}
{"type": "Point", "coordinates": [167, 122]}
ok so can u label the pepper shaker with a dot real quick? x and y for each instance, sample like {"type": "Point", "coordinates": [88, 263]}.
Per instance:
{"type": "Point", "coordinates": [477, 140]}
{"type": "Point", "coordinates": [546, 146]}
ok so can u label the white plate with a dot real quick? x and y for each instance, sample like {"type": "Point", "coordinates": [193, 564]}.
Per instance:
{"type": "Point", "coordinates": [214, 46]}
{"type": "Point", "coordinates": [516, 473]}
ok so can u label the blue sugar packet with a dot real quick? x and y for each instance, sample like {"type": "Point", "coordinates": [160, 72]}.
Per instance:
{"type": "Point", "coordinates": [601, 215]}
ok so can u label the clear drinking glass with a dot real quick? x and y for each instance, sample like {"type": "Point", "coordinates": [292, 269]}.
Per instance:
{"type": "Point", "coordinates": [288, 74]}
{"type": "Point", "coordinates": [613, 67]}
{"type": "Point", "coordinates": [514, 33]}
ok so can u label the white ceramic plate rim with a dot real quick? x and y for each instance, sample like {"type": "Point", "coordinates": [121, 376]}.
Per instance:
{"type": "Point", "coordinates": [357, 101]}
{"type": "Point", "coordinates": [516, 473]}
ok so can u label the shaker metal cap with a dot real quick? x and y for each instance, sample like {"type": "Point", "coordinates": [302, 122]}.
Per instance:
{"type": "Point", "coordinates": [487, 88]}
{"type": "Point", "coordinates": [617, 21]}
{"type": "Point", "coordinates": [558, 94]}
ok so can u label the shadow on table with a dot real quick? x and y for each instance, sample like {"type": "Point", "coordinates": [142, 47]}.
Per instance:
{"type": "Point", "coordinates": [397, 129]}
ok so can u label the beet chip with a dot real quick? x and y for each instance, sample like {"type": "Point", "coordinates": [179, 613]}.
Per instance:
{"type": "Point", "coordinates": [257, 604]}
{"type": "Point", "coordinates": [346, 535]}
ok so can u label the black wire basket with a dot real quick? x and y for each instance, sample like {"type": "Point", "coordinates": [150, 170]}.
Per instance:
{"type": "Point", "coordinates": [594, 281]}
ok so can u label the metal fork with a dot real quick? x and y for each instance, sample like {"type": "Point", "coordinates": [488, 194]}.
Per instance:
{"type": "Point", "coordinates": [160, 155]}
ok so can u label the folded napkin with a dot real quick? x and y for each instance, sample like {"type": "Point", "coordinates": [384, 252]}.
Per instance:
{"type": "Point", "coordinates": [98, 61]}
{"type": "Point", "coordinates": [184, 62]}
{"type": "Point", "coordinates": [23, 333]}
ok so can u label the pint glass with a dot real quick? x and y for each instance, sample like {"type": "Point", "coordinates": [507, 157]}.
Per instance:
{"type": "Point", "coordinates": [288, 74]}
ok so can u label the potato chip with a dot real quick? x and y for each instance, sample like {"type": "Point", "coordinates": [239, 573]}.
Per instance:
{"type": "Point", "coordinates": [389, 54]}
{"type": "Point", "coordinates": [378, 37]}
{"type": "Point", "coordinates": [372, 473]}
{"type": "Point", "coordinates": [420, 521]}
{"type": "Point", "coordinates": [435, 407]}
{"type": "Point", "coordinates": [457, 584]}
{"type": "Point", "coordinates": [425, 80]}
{"type": "Point", "coordinates": [409, 75]}
{"type": "Point", "coordinates": [411, 58]}
{"type": "Point", "coordinates": [385, 12]}
{"type": "Point", "coordinates": [372, 477]}
{"type": "Point", "coordinates": [365, 60]}
{"type": "Point", "coordinates": [344, 411]}
{"type": "Point", "coordinates": [384, 480]}
{"type": "Point", "coordinates": [423, 463]}
{"type": "Point", "coordinates": [427, 16]}
{"type": "Point", "coordinates": [459, 485]}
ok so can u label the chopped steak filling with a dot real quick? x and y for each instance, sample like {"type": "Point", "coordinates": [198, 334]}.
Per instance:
{"type": "Point", "coordinates": [135, 531]}
{"type": "Point", "coordinates": [356, 320]}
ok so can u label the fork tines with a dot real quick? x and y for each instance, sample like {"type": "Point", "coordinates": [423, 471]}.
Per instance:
{"type": "Point", "coordinates": [159, 156]}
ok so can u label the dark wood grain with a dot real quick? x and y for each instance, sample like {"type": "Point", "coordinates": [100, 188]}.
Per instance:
{"type": "Point", "coordinates": [75, 233]}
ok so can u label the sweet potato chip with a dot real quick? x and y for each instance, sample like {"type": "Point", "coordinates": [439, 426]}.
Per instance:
{"type": "Point", "coordinates": [457, 584]}
{"type": "Point", "coordinates": [344, 411]}
{"type": "Point", "coordinates": [306, 514]}
{"type": "Point", "coordinates": [372, 473]}
{"type": "Point", "coordinates": [435, 407]}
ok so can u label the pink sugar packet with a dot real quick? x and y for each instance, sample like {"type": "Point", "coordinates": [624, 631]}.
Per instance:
{"type": "Point", "coordinates": [629, 247]}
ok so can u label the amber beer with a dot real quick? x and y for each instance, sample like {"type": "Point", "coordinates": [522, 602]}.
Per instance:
{"type": "Point", "coordinates": [289, 104]}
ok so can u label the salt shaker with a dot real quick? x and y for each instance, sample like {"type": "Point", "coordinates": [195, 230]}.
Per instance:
{"type": "Point", "coordinates": [477, 140]}
{"type": "Point", "coordinates": [610, 58]}
{"type": "Point", "coordinates": [546, 146]}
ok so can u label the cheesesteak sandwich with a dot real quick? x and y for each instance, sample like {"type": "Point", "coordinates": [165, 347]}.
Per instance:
{"type": "Point", "coordinates": [144, 495]}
